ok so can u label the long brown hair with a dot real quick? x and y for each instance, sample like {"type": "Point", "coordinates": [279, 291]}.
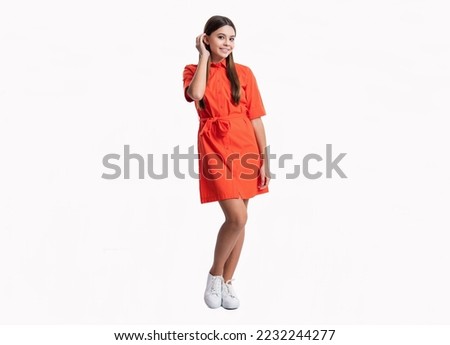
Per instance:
{"type": "Point", "coordinates": [214, 23]}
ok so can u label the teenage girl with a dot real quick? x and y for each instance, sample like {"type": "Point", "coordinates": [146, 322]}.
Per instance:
{"type": "Point", "coordinates": [233, 164]}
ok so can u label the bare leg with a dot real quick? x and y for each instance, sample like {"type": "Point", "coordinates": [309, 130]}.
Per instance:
{"type": "Point", "coordinates": [231, 263]}
{"type": "Point", "coordinates": [235, 211]}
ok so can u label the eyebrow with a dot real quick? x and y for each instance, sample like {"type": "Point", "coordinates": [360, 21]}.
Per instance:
{"type": "Point", "coordinates": [221, 33]}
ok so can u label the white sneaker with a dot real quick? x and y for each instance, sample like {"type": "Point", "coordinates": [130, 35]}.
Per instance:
{"type": "Point", "coordinates": [229, 298]}
{"type": "Point", "coordinates": [213, 292]}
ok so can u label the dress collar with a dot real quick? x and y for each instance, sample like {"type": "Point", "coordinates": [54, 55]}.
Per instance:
{"type": "Point", "coordinates": [222, 63]}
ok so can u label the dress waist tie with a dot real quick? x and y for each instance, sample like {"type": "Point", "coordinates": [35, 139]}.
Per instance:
{"type": "Point", "coordinates": [221, 125]}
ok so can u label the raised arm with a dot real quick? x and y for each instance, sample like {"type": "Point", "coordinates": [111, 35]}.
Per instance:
{"type": "Point", "coordinates": [196, 89]}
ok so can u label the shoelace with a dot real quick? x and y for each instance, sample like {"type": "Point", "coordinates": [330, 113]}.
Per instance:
{"type": "Point", "coordinates": [216, 285]}
{"type": "Point", "coordinates": [230, 289]}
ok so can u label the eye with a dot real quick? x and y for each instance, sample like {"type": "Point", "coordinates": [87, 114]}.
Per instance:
{"type": "Point", "coordinates": [232, 39]}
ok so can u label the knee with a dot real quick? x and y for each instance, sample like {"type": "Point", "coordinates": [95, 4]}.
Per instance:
{"type": "Point", "coordinates": [237, 220]}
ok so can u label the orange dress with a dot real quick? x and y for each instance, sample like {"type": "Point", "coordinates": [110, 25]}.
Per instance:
{"type": "Point", "coordinates": [229, 158]}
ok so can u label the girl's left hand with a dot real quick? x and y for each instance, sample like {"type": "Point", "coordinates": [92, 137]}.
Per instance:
{"type": "Point", "coordinates": [264, 178]}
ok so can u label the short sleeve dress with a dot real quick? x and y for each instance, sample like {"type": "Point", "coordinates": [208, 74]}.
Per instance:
{"type": "Point", "coordinates": [229, 157]}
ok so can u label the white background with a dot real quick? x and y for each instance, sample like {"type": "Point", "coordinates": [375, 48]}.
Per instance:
{"type": "Point", "coordinates": [82, 79]}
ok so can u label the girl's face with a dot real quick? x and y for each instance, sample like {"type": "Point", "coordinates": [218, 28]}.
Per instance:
{"type": "Point", "coordinates": [221, 42]}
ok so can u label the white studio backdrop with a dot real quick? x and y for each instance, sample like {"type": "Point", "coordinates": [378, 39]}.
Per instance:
{"type": "Point", "coordinates": [80, 80]}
